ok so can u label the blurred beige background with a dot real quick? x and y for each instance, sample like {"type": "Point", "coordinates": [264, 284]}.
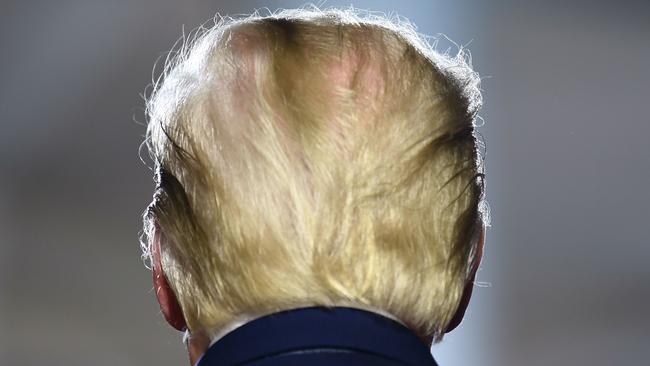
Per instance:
{"type": "Point", "coordinates": [568, 167]}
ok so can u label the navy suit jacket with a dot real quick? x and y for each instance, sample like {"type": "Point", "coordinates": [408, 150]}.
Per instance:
{"type": "Point", "coordinates": [319, 336]}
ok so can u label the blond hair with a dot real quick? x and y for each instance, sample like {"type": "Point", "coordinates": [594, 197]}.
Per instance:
{"type": "Point", "coordinates": [316, 157]}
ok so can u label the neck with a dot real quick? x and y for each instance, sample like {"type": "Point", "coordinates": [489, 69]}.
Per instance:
{"type": "Point", "coordinates": [246, 318]}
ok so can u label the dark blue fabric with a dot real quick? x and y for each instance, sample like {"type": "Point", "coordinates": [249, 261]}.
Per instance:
{"type": "Point", "coordinates": [319, 336]}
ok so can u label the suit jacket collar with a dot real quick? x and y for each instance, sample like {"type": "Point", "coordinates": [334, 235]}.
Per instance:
{"type": "Point", "coordinates": [337, 328]}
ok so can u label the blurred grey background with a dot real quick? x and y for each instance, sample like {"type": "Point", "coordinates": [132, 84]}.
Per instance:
{"type": "Point", "coordinates": [566, 270]}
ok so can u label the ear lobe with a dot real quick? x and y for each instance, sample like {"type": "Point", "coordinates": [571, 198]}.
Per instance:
{"type": "Point", "coordinates": [169, 305]}
{"type": "Point", "coordinates": [469, 286]}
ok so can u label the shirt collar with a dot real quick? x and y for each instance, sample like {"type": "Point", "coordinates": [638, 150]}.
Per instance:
{"type": "Point", "coordinates": [317, 327]}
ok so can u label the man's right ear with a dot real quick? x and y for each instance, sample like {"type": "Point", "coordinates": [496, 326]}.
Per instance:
{"type": "Point", "coordinates": [169, 304]}
{"type": "Point", "coordinates": [467, 292]}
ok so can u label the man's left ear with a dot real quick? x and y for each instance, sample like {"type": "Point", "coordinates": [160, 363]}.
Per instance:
{"type": "Point", "coordinates": [169, 305]}
{"type": "Point", "coordinates": [467, 292]}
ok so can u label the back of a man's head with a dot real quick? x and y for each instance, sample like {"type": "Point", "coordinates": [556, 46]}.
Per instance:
{"type": "Point", "coordinates": [316, 158]}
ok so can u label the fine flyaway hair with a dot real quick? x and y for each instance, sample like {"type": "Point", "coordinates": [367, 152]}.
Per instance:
{"type": "Point", "coordinates": [316, 157]}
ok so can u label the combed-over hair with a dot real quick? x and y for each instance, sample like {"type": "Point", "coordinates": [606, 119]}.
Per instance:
{"type": "Point", "coordinates": [316, 157]}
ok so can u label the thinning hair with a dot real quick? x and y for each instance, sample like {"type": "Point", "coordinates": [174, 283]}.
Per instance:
{"type": "Point", "coordinates": [316, 157]}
